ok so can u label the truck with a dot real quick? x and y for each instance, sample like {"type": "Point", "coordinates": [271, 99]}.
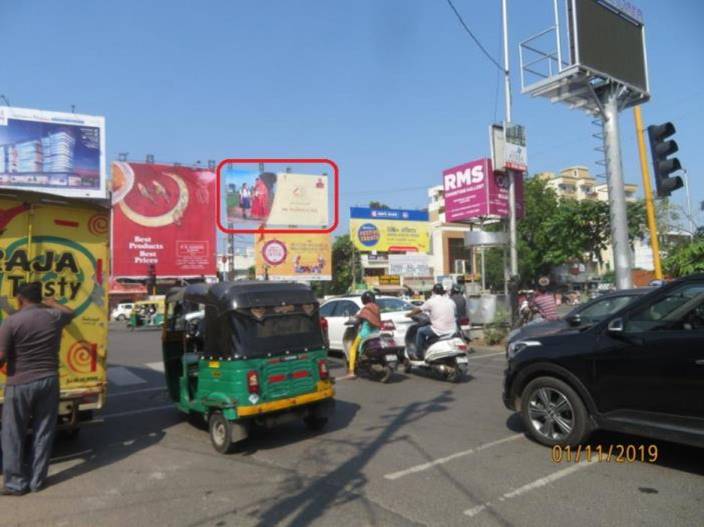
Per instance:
{"type": "Point", "coordinates": [63, 243]}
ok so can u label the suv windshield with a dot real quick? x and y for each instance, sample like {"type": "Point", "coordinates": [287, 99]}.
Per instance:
{"type": "Point", "coordinates": [604, 307]}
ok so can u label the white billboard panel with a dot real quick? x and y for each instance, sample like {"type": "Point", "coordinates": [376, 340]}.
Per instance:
{"type": "Point", "coordinates": [54, 152]}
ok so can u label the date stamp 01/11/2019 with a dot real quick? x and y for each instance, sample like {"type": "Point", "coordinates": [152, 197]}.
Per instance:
{"type": "Point", "coordinates": [605, 454]}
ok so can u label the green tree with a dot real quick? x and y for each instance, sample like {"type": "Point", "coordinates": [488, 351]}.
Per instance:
{"type": "Point", "coordinates": [378, 205]}
{"type": "Point", "coordinates": [686, 258]}
{"type": "Point", "coordinates": [558, 231]}
{"type": "Point", "coordinates": [343, 253]}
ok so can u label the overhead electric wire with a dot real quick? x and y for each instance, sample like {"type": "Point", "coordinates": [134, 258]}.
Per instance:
{"type": "Point", "coordinates": [474, 38]}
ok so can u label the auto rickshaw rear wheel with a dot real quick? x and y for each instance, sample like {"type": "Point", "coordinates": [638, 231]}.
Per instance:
{"type": "Point", "coordinates": [315, 423]}
{"type": "Point", "coordinates": [221, 433]}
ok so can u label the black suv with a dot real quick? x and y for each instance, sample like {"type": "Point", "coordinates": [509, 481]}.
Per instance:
{"type": "Point", "coordinates": [639, 371]}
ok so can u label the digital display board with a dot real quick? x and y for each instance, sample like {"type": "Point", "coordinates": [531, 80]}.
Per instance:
{"type": "Point", "coordinates": [608, 42]}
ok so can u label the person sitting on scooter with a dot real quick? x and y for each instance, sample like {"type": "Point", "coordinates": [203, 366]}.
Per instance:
{"type": "Point", "coordinates": [369, 320]}
{"type": "Point", "coordinates": [544, 302]}
{"type": "Point", "coordinates": [441, 311]}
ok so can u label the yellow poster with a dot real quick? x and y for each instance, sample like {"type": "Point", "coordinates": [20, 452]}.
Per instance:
{"type": "Point", "coordinates": [66, 249]}
{"type": "Point", "coordinates": [294, 257]}
{"type": "Point", "coordinates": [374, 233]}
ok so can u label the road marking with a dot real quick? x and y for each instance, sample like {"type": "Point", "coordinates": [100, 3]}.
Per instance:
{"type": "Point", "coordinates": [140, 411]}
{"type": "Point", "coordinates": [121, 376]}
{"type": "Point", "coordinates": [156, 366]}
{"type": "Point", "coordinates": [143, 390]}
{"type": "Point", "coordinates": [442, 460]}
{"type": "Point", "coordinates": [528, 487]}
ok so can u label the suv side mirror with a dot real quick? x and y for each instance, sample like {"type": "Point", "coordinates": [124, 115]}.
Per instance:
{"type": "Point", "coordinates": [575, 320]}
{"type": "Point", "coordinates": [615, 326]}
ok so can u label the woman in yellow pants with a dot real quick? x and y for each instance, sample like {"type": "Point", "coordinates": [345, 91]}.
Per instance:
{"type": "Point", "coordinates": [369, 318]}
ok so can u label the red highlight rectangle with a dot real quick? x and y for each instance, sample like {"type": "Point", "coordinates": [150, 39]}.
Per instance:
{"type": "Point", "coordinates": [277, 378]}
{"type": "Point", "coordinates": [300, 374]}
{"type": "Point", "coordinates": [336, 195]}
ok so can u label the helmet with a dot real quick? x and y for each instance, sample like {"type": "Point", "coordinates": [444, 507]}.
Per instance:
{"type": "Point", "coordinates": [438, 289]}
{"type": "Point", "coordinates": [368, 297]}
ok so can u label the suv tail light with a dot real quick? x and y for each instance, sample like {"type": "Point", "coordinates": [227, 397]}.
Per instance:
{"type": "Point", "coordinates": [324, 325]}
{"type": "Point", "coordinates": [323, 371]}
{"type": "Point", "coordinates": [253, 382]}
{"type": "Point", "coordinates": [388, 325]}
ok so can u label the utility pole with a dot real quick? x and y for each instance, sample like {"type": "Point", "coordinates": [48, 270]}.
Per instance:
{"type": "Point", "coordinates": [689, 203]}
{"type": "Point", "coordinates": [513, 253]}
{"type": "Point", "coordinates": [617, 194]}
{"type": "Point", "coordinates": [648, 190]}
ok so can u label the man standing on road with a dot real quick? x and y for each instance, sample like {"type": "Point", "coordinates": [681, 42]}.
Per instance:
{"type": "Point", "coordinates": [460, 305]}
{"type": "Point", "coordinates": [29, 342]}
{"type": "Point", "coordinates": [441, 311]}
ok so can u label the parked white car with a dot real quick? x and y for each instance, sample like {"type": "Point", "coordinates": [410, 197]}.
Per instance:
{"type": "Point", "coordinates": [393, 318]}
{"type": "Point", "coordinates": [122, 312]}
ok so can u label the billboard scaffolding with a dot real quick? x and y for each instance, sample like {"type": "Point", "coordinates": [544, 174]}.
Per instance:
{"type": "Point", "coordinates": [605, 72]}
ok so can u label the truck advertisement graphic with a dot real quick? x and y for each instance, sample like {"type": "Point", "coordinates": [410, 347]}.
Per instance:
{"type": "Point", "coordinates": [66, 248]}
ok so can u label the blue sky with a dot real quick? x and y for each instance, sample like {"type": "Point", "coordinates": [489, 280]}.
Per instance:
{"type": "Point", "coordinates": [392, 90]}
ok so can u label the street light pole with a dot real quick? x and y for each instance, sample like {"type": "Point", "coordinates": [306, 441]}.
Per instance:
{"type": "Point", "coordinates": [513, 253]}
{"type": "Point", "coordinates": [689, 203]}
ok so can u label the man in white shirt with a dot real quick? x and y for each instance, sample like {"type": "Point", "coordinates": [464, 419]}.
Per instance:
{"type": "Point", "coordinates": [441, 310]}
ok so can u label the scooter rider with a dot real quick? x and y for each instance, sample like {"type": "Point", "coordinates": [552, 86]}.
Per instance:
{"type": "Point", "coordinates": [369, 320]}
{"type": "Point", "coordinates": [441, 311]}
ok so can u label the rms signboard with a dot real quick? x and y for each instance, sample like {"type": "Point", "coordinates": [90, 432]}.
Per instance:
{"type": "Point", "coordinates": [472, 190]}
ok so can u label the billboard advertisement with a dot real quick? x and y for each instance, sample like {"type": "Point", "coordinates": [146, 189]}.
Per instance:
{"type": "Point", "coordinates": [53, 152]}
{"type": "Point", "coordinates": [472, 190]}
{"type": "Point", "coordinates": [67, 253]}
{"type": "Point", "coordinates": [305, 257]}
{"type": "Point", "coordinates": [410, 264]}
{"type": "Point", "coordinates": [389, 230]}
{"type": "Point", "coordinates": [253, 199]}
{"type": "Point", "coordinates": [163, 216]}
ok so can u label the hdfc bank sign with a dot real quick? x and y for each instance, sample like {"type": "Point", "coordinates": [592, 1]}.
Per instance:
{"type": "Point", "coordinates": [472, 190]}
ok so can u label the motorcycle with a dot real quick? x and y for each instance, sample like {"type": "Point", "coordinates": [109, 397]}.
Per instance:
{"type": "Point", "coordinates": [446, 356]}
{"type": "Point", "coordinates": [377, 356]}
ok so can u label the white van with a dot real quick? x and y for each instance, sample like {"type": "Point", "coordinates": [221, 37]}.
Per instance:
{"type": "Point", "coordinates": [122, 312]}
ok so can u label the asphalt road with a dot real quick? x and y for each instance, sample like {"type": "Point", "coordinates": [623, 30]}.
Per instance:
{"type": "Point", "coordinates": [417, 451]}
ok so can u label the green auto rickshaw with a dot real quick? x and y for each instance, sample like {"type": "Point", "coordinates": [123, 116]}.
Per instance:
{"type": "Point", "coordinates": [245, 353]}
{"type": "Point", "coordinates": [147, 313]}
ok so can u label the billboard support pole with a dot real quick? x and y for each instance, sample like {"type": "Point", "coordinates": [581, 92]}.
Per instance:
{"type": "Point", "coordinates": [617, 194]}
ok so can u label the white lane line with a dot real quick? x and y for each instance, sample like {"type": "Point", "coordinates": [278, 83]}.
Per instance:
{"type": "Point", "coordinates": [121, 376]}
{"type": "Point", "coordinates": [528, 487]}
{"type": "Point", "coordinates": [442, 460]}
{"type": "Point", "coordinates": [132, 392]}
{"type": "Point", "coordinates": [156, 366]}
{"type": "Point", "coordinates": [140, 411]}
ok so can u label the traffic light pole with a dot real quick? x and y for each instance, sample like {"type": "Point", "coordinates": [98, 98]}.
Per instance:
{"type": "Point", "coordinates": [648, 190]}
{"type": "Point", "coordinates": [617, 194]}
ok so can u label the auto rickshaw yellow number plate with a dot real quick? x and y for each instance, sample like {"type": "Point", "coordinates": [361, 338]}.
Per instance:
{"type": "Point", "coordinates": [213, 364]}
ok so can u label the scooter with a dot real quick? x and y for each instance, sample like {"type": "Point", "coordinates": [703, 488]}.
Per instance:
{"type": "Point", "coordinates": [377, 356]}
{"type": "Point", "coordinates": [446, 356]}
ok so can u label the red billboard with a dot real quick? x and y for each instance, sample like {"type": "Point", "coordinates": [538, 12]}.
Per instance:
{"type": "Point", "coordinates": [164, 216]}
{"type": "Point", "coordinates": [473, 190]}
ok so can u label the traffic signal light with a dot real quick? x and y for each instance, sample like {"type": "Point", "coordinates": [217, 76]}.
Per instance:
{"type": "Point", "coordinates": [660, 149]}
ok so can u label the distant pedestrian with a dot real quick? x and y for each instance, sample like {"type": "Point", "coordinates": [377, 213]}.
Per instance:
{"type": "Point", "coordinates": [544, 303]}
{"type": "Point", "coordinates": [29, 342]}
